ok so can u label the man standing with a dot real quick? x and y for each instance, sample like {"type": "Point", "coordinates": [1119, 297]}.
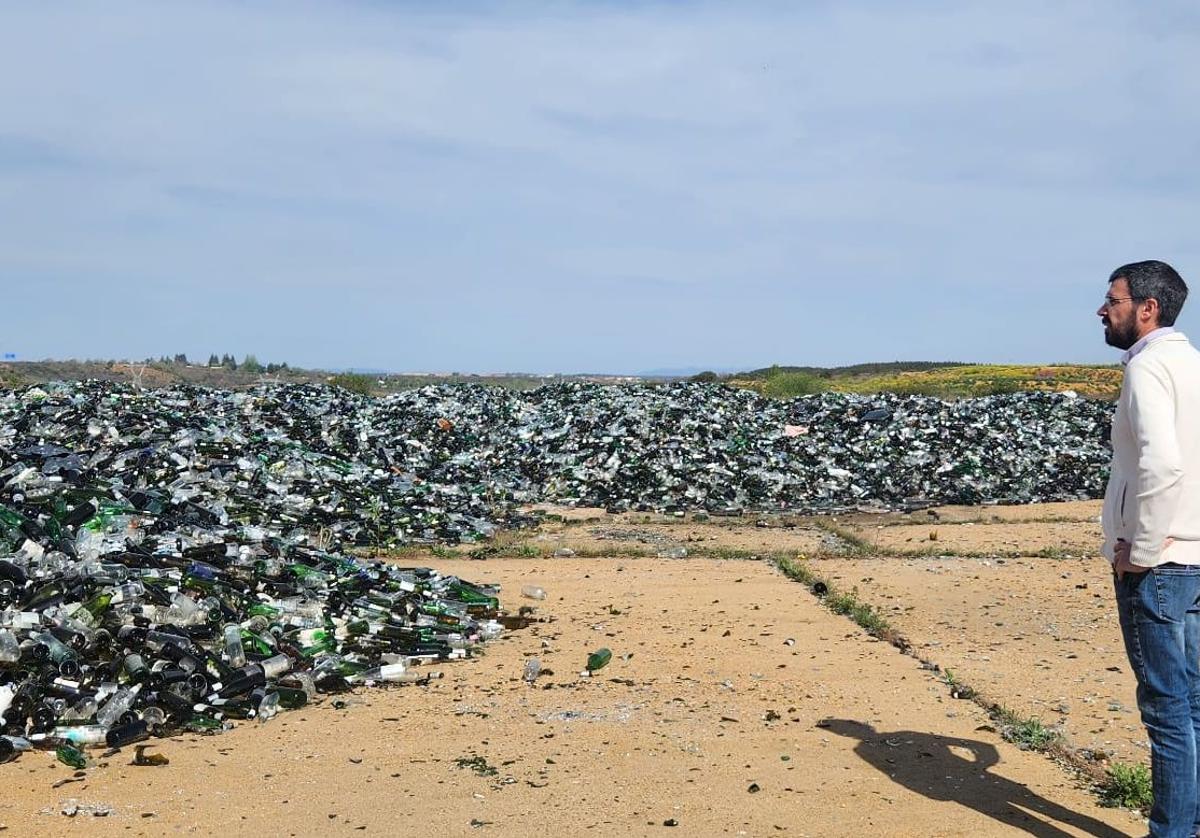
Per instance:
{"type": "Point", "coordinates": [1151, 525]}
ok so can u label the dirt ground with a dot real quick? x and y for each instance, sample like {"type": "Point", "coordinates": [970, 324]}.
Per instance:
{"type": "Point", "coordinates": [1037, 634]}
{"type": "Point", "coordinates": [735, 704]}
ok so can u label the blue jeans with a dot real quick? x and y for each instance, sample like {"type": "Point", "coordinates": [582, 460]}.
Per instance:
{"type": "Point", "coordinates": [1160, 621]}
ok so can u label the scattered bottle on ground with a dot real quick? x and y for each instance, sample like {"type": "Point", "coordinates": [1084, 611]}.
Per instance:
{"type": "Point", "coordinates": [598, 660]}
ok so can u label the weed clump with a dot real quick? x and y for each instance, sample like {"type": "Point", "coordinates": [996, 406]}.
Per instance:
{"type": "Point", "coordinates": [1128, 786]}
{"type": "Point", "coordinates": [786, 384]}
{"type": "Point", "coordinates": [957, 688]}
{"type": "Point", "coordinates": [1028, 734]}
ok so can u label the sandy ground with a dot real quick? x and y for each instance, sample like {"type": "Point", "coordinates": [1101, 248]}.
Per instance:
{"type": "Point", "coordinates": [1068, 538]}
{"type": "Point", "coordinates": [1037, 635]}
{"type": "Point", "coordinates": [735, 704]}
{"type": "Point", "coordinates": [631, 537]}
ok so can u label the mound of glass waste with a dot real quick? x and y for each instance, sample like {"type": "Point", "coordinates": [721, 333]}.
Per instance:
{"type": "Point", "coordinates": [171, 559]}
{"type": "Point", "coordinates": [184, 632]}
{"type": "Point", "coordinates": [453, 463]}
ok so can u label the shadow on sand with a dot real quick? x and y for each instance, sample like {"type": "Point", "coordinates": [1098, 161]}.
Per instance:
{"type": "Point", "coordinates": [958, 770]}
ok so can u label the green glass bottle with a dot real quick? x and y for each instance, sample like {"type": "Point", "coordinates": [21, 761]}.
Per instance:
{"type": "Point", "coordinates": [256, 643]}
{"type": "Point", "coordinates": [10, 527]}
{"type": "Point", "coordinates": [291, 698]}
{"type": "Point", "coordinates": [54, 529]}
{"type": "Point", "coordinates": [194, 582]}
{"type": "Point", "coordinates": [598, 659]}
{"type": "Point", "coordinates": [357, 628]}
{"type": "Point", "coordinates": [314, 641]}
{"type": "Point", "coordinates": [202, 723]}
{"type": "Point", "coordinates": [99, 603]}
{"type": "Point", "coordinates": [42, 597]}
{"type": "Point", "coordinates": [105, 514]}
{"type": "Point", "coordinates": [70, 755]}
{"type": "Point", "coordinates": [472, 596]}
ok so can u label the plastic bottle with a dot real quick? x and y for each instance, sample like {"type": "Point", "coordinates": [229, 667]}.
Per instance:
{"type": "Point", "coordinates": [81, 734]}
{"type": "Point", "coordinates": [6, 698]}
{"type": "Point", "coordinates": [268, 707]}
{"type": "Point", "coordinates": [533, 592]}
{"type": "Point", "coordinates": [391, 673]}
{"type": "Point", "coordinates": [129, 592]}
{"type": "Point", "coordinates": [10, 648]}
{"type": "Point", "coordinates": [84, 708]}
{"type": "Point", "coordinates": [414, 677]}
{"type": "Point", "coordinates": [185, 611]}
{"type": "Point", "coordinates": [234, 651]}
{"type": "Point", "coordinates": [20, 619]}
{"type": "Point", "coordinates": [275, 666]}
{"type": "Point", "coordinates": [116, 706]}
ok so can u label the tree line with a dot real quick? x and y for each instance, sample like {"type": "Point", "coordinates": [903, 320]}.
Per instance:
{"type": "Point", "coordinates": [248, 364]}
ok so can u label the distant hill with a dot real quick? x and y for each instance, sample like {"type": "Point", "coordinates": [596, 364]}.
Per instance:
{"type": "Point", "coordinates": [886, 368]}
{"type": "Point", "coordinates": [945, 380]}
{"type": "Point", "coordinates": [685, 372]}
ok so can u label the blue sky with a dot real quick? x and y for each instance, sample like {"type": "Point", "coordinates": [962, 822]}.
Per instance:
{"type": "Point", "coordinates": [601, 186]}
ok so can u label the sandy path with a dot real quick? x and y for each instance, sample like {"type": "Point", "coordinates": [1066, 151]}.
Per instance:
{"type": "Point", "coordinates": [712, 704]}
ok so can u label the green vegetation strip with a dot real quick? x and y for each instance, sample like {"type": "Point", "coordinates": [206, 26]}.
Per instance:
{"type": "Point", "coordinates": [845, 603]}
{"type": "Point", "coordinates": [948, 381]}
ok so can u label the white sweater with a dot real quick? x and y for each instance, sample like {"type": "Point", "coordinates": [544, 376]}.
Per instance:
{"type": "Point", "coordinates": [1154, 489]}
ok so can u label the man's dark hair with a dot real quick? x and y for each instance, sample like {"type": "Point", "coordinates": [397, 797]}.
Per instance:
{"type": "Point", "coordinates": [1154, 280]}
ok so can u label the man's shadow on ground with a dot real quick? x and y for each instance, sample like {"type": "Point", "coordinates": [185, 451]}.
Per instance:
{"type": "Point", "coordinates": [927, 765]}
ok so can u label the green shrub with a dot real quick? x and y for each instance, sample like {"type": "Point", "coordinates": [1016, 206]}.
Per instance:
{"type": "Point", "coordinates": [1128, 786]}
{"type": "Point", "coordinates": [354, 382]}
{"type": "Point", "coordinates": [1024, 732]}
{"type": "Point", "coordinates": [786, 385]}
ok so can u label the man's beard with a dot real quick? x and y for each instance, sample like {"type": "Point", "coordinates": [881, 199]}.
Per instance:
{"type": "Point", "coordinates": [1120, 338]}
